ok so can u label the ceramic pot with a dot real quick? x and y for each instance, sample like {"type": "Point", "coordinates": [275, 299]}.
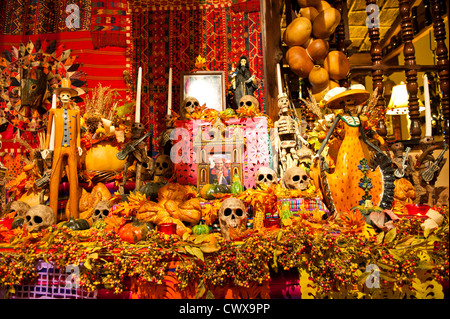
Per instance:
{"type": "Point", "coordinates": [325, 23]}
{"type": "Point", "coordinates": [318, 49]}
{"type": "Point", "coordinates": [319, 79]}
{"type": "Point", "coordinates": [308, 3]}
{"type": "Point", "coordinates": [337, 65]}
{"type": "Point", "coordinates": [298, 32]}
{"type": "Point", "coordinates": [299, 61]}
{"type": "Point", "coordinates": [308, 12]}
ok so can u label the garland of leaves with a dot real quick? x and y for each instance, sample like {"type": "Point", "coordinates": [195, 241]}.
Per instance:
{"type": "Point", "coordinates": [331, 264]}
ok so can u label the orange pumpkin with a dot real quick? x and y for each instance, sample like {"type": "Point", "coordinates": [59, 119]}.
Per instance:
{"type": "Point", "coordinates": [102, 157]}
{"type": "Point", "coordinates": [134, 231]}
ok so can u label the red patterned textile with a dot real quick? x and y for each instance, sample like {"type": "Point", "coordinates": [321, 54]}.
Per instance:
{"type": "Point", "coordinates": [167, 36]}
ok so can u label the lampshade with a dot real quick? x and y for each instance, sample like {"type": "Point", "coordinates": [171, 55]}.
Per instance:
{"type": "Point", "coordinates": [398, 104]}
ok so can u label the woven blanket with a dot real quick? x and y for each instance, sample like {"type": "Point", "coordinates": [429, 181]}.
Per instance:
{"type": "Point", "coordinates": [109, 23]}
{"type": "Point", "coordinates": [169, 36]}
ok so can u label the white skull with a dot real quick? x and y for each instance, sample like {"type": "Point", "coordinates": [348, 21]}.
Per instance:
{"type": "Point", "coordinates": [163, 166]}
{"type": "Point", "coordinates": [283, 104]}
{"type": "Point", "coordinates": [101, 210]}
{"type": "Point", "coordinates": [39, 217]}
{"type": "Point", "coordinates": [65, 96]}
{"type": "Point", "coordinates": [188, 106]}
{"type": "Point", "coordinates": [296, 178]}
{"type": "Point", "coordinates": [249, 100]}
{"type": "Point", "coordinates": [265, 175]}
{"type": "Point", "coordinates": [17, 206]}
{"type": "Point", "coordinates": [232, 213]}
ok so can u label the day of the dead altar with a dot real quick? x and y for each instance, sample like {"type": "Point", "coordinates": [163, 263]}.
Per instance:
{"type": "Point", "coordinates": [157, 149]}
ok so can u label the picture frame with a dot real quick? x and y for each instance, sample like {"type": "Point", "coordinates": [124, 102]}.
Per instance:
{"type": "Point", "coordinates": [208, 87]}
{"type": "Point", "coordinates": [210, 152]}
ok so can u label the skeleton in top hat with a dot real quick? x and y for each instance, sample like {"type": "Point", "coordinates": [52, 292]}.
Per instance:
{"type": "Point", "coordinates": [67, 150]}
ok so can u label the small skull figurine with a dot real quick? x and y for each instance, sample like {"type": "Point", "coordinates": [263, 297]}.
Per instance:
{"type": "Point", "coordinates": [249, 100]}
{"type": "Point", "coordinates": [265, 175]}
{"type": "Point", "coordinates": [188, 106]}
{"type": "Point", "coordinates": [39, 217]}
{"type": "Point", "coordinates": [232, 213]}
{"type": "Point", "coordinates": [163, 166]}
{"type": "Point", "coordinates": [101, 210]}
{"type": "Point", "coordinates": [296, 178]}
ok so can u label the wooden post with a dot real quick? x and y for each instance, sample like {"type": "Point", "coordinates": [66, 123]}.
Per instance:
{"type": "Point", "coordinates": [411, 73]}
{"type": "Point", "coordinates": [340, 33]}
{"type": "Point", "coordinates": [442, 62]}
{"type": "Point", "coordinates": [377, 74]}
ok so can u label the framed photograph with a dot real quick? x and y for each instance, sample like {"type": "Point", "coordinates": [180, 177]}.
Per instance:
{"type": "Point", "coordinates": [208, 87]}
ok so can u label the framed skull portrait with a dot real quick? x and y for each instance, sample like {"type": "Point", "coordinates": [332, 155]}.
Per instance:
{"type": "Point", "coordinates": [207, 87]}
{"type": "Point", "coordinates": [218, 158]}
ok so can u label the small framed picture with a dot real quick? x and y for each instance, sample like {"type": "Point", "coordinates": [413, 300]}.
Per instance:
{"type": "Point", "coordinates": [208, 87]}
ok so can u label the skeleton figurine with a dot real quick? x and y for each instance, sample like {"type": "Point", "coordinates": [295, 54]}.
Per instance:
{"type": "Point", "coordinates": [265, 176]}
{"type": "Point", "coordinates": [232, 214]}
{"type": "Point", "coordinates": [188, 107]}
{"type": "Point", "coordinates": [39, 217]}
{"type": "Point", "coordinates": [425, 169]}
{"type": "Point", "coordinates": [136, 150]}
{"type": "Point", "coordinates": [398, 157]}
{"type": "Point", "coordinates": [164, 139]}
{"type": "Point", "coordinates": [287, 136]}
{"type": "Point", "coordinates": [296, 178]}
{"type": "Point", "coordinates": [163, 168]}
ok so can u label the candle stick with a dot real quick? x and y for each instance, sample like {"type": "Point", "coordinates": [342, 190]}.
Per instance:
{"type": "Point", "coordinates": [169, 97]}
{"type": "Point", "coordinates": [280, 86]}
{"type": "Point", "coordinates": [51, 145]}
{"type": "Point", "coordinates": [138, 96]}
{"type": "Point", "coordinates": [428, 126]}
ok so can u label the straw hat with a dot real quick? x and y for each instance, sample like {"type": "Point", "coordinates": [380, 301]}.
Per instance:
{"type": "Point", "coordinates": [335, 98]}
{"type": "Point", "coordinates": [65, 86]}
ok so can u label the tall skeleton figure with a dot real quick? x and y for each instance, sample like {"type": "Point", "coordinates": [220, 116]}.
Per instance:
{"type": "Point", "coordinates": [66, 147]}
{"type": "Point", "coordinates": [288, 136]}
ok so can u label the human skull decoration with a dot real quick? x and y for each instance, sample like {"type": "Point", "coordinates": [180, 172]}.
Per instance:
{"type": "Point", "coordinates": [249, 100]}
{"type": "Point", "coordinates": [101, 210]}
{"type": "Point", "coordinates": [426, 142]}
{"type": "Point", "coordinates": [188, 106]}
{"type": "Point", "coordinates": [296, 178]}
{"type": "Point", "coordinates": [232, 214]}
{"type": "Point", "coordinates": [39, 217]}
{"type": "Point", "coordinates": [163, 166]}
{"type": "Point", "coordinates": [265, 176]}
{"type": "Point", "coordinates": [17, 206]}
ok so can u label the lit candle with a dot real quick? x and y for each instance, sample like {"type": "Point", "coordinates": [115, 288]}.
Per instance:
{"type": "Point", "coordinates": [51, 145]}
{"type": "Point", "coordinates": [138, 97]}
{"type": "Point", "coordinates": [280, 86]}
{"type": "Point", "coordinates": [426, 94]}
{"type": "Point", "coordinates": [169, 97]}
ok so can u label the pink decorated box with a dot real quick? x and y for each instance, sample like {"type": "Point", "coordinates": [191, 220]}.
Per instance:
{"type": "Point", "coordinates": [256, 151]}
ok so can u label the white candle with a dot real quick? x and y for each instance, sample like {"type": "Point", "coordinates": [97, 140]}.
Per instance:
{"type": "Point", "coordinates": [426, 93]}
{"type": "Point", "coordinates": [280, 86]}
{"type": "Point", "coordinates": [169, 97]}
{"type": "Point", "coordinates": [51, 145]}
{"type": "Point", "coordinates": [138, 97]}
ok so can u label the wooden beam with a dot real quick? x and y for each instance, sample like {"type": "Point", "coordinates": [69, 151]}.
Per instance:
{"type": "Point", "coordinates": [270, 13]}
